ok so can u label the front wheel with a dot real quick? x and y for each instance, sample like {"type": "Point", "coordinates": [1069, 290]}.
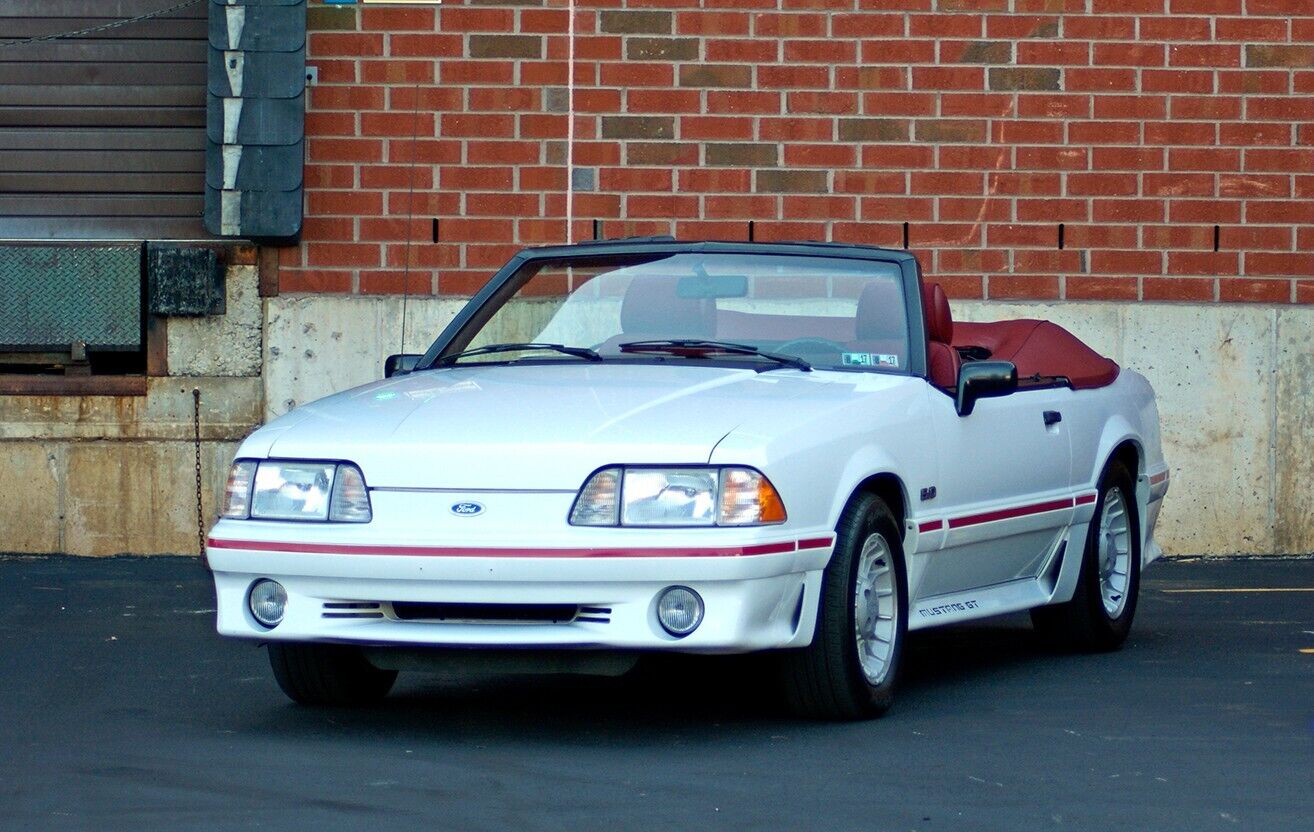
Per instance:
{"type": "Point", "coordinates": [850, 668]}
{"type": "Point", "coordinates": [328, 674]}
{"type": "Point", "coordinates": [1099, 616]}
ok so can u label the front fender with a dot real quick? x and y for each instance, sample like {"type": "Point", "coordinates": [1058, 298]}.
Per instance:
{"type": "Point", "coordinates": [818, 464]}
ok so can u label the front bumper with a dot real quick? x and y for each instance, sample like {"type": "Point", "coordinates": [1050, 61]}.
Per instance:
{"type": "Point", "coordinates": [757, 595]}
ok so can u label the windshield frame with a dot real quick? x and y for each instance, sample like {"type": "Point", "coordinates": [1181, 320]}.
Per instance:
{"type": "Point", "coordinates": [508, 280]}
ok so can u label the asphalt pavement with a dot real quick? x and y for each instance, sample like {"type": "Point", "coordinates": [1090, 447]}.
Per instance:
{"type": "Point", "coordinates": [121, 709]}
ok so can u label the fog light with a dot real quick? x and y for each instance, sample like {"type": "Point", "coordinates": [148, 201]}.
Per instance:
{"type": "Point", "coordinates": [267, 600]}
{"type": "Point", "coordinates": [680, 610]}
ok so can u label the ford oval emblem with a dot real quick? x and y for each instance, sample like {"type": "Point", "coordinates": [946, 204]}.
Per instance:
{"type": "Point", "coordinates": [468, 509]}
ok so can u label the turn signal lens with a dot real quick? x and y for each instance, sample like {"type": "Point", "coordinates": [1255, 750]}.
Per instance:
{"type": "Point", "coordinates": [748, 498]}
{"type": "Point", "coordinates": [773, 508]}
{"type": "Point", "coordinates": [598, 503]}
{"type": "Point", "coordinates": [350, 502]}
{"type": "Point", "coordinates": [237, 491]}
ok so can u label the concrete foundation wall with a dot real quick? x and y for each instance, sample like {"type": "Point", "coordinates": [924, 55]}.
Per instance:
{"type": "Point", "coordinates": [1235, 385]}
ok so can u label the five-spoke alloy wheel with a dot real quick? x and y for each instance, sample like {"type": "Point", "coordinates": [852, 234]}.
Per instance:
{"type": "Point", "coordinates": [875, 608]}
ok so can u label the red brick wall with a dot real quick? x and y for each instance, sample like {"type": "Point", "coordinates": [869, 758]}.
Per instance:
{"type": "Point", "coordinates": [1173, 140]}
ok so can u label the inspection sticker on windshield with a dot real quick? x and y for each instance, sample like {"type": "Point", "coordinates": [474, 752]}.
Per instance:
{"type": "Point", "coordinates": [870, 359]}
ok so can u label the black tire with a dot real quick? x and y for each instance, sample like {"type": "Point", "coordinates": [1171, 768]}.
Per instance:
{"type": "Point", "coordinates": [328, 674]}
{"type": "Point", "coordinates": [1084, 624]}
{"type": "Point", "coordinates": [825, 680]}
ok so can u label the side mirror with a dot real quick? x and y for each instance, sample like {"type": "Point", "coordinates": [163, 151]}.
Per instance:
{"type": "Point", "coordinates": [400, 365]}
{"type": "Point", "coordinates": [984, 380]}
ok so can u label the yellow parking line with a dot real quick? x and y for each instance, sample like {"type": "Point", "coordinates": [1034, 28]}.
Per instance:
{"type": "Point", "coordinates": [1307, 650]}
{"type": "Point", "coordinates": [1248, 589]}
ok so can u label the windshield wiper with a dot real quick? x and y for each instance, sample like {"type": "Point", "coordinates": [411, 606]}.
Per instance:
{"type": "Point", "coordinates": [697, 348]}
{"type": "Point", "coordinates": [578, 352]}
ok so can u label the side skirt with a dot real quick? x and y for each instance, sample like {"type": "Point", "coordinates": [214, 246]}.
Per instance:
{"type": "Point", "coordinates": [1054, 583]}
{"type": "Point", "coordinates": [972, 604]}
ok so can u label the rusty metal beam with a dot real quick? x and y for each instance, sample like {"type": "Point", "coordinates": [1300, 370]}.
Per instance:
{"type": "Point", "coordinates": [36, 385]}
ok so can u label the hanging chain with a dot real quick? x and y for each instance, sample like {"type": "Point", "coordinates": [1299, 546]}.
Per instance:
{"type": "Point", "coordinates": [105, 27]}
{"type": "Point", "coordinates": [200, 510]}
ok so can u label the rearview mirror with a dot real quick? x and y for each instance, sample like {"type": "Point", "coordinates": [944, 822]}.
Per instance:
{"type": "Point", "coordinates": [400, 365]}
{"type": "Point", "coordinates": [708, 286]}
{"type": "Point", "coordinates": [984, 380]}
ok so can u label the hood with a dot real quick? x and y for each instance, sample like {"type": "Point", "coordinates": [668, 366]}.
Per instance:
{"type": "Point", "coordinates": [543, 426]}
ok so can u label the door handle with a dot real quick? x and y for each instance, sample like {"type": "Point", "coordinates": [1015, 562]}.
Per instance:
{"type": "Point", "coordinates": [1052, 417]}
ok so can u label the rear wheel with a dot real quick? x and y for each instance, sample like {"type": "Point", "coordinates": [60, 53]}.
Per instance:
{"type": "Point", "coordinates": [328, 674]}
{"type": "Point", "coordinates": [849, 670]}
{"type": "Point", "coordinates": [1100, 614]}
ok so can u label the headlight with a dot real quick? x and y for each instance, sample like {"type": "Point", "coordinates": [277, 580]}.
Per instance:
{"type": "Point", "coordinates": [281, 490]}
{"type": "Point", "coordinates": [669, 497]}
{"type": "Point", "coordinates": [292, 490]}
{"type": "Point", "coordinates": [685, 496]}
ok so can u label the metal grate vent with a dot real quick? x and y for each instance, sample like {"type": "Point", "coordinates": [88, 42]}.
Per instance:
{"type": "Point", "coordinates": [53, 296]}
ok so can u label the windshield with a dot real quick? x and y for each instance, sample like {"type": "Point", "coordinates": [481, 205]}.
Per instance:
{"type": "Point", "coordinates": [829, 312]}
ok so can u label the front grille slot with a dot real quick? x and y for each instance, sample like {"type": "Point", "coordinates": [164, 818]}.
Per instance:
{"type": "Point", "coordinates": [352, 609]}
{"type": "Point", "coordinates": [486, 613]}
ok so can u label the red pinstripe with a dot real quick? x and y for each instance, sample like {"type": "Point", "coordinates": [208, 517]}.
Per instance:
{"type": "Point", "coordinates": [1010, 513]}
{"type": "Point", "coordinates": [1006, 513]}
{"type": "Point", "coordinates": [477, 552]}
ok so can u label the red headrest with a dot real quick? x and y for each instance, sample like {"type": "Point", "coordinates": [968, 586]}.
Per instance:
{"type": "Point", "coordinates": [652, 307]}
{"type": "Point", "coordinates": [939, 323]}
{"type": "Point", "coordinates": [880, 314]}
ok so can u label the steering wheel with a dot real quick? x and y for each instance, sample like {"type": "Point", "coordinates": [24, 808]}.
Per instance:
{"type": "Point", "coordinates": [810, 344]}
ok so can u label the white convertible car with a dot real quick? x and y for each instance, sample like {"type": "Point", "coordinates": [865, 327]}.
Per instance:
{"type": "Point", "coordinates": [648, 445]}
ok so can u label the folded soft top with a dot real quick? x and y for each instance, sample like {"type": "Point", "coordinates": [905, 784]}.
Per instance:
{"type": "Point", "coordinates": [1038, 348]}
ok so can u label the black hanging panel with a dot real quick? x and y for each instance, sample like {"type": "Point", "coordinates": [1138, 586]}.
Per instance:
{"type": "Point", "coordinates": [102, 133]}
{"type": "Point", "coordinates": [255, 149]}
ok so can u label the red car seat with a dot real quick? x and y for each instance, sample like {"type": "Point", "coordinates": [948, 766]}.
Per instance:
{"type": "Point", "coordinates": [942, 360]}
{"type": "Point", "coordinates": [652, 307]}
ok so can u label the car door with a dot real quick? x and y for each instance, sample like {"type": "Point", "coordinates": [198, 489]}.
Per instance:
{"type": "Point", "coordinates": [1003, 494]}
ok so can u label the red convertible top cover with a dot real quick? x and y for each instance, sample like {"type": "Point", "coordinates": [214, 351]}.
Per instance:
{"type": "Point", "coordinates": [1039, 348]}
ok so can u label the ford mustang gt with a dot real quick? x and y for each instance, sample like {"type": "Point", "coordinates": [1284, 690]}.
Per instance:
{"type": "Point", "coordinates": [648, 445]}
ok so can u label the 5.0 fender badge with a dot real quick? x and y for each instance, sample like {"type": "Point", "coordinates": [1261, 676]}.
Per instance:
{"type": "Point", "coordinates": [467, 509]}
